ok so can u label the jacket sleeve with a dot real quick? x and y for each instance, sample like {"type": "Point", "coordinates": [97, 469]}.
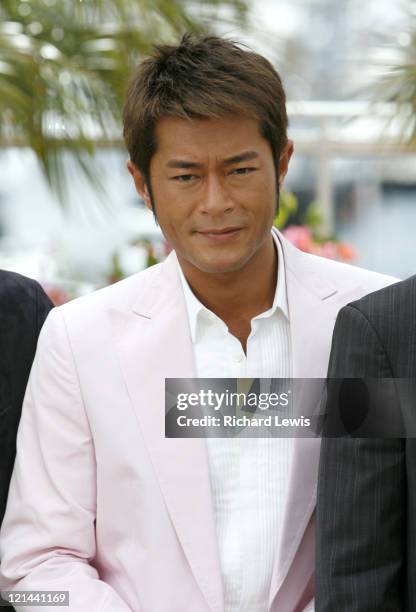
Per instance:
{"type": "Point", "coordinates": [361, 507]}
{"type": "Point", "coordinates": [47, 541]}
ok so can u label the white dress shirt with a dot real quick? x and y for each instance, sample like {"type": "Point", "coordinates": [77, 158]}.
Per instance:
{"type": "Point", "coordinates": [249, 476]}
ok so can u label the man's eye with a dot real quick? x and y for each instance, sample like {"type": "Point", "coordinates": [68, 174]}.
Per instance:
{"type": "Point", "coordinates": [184, 178]}
{"type": "Point", "coordinates": [243, 171]}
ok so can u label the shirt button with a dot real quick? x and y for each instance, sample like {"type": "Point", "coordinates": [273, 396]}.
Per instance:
{"type": "Point", "coordinates": [239, 358]}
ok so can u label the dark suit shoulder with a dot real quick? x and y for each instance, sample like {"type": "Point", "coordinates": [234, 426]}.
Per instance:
{"type": "Point", "coordinates": [23, 298]}
{"type": "Point", "coordinates": [396, 299]}
{"type": "Point", "coordinates": [390, 312]}
{"type": "Point", "coordinates": [17, 286]}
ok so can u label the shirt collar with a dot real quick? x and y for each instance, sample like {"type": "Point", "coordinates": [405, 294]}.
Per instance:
{"type": "Point", "coordinates": [195, 307]}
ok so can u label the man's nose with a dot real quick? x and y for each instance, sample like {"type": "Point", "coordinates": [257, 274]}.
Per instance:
{"type": "Point", "coordinates": [216, 198]}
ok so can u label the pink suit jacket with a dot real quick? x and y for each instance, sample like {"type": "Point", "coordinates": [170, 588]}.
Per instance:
{"type": "Point", "coordinates": [100, 503]}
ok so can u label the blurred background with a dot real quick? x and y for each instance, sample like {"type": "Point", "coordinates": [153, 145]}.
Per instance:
{"type": "Point", "coordinates": [69, 215]}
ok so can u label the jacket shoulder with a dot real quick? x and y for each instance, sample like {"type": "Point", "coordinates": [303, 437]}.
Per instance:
{"type": "Point", "coordinates": [391, 299]}
{"type": "Point", "coordinates": [329, 272]}
{"type": "Point", "coordinates": [118, 295]}
{"type": "Point", "coordinates": [342, 275]}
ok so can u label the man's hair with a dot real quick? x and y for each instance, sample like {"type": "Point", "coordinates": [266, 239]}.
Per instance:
{"type": "Point", "coordinates": [201, 78]}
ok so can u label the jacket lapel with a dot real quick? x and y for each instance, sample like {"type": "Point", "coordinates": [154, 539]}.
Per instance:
{"type": "Point", "coordinates": [153, 343]}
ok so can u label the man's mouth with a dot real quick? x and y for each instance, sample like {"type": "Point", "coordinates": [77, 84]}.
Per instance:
{"type": "Point", "coordinates": [220, 234]}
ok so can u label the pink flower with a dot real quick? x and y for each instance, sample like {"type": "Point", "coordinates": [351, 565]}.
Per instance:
{"type": "Point", "coordinates": [328, 249]}
{"type": "Point", "coordinates": [300, 236]}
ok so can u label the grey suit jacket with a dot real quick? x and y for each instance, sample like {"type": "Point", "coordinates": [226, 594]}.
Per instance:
{"type": "Point", "coordinates": [366, 509]}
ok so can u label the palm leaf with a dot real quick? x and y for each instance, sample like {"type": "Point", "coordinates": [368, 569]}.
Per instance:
{"type": "Point", "coordinates": [398, 86]}
{"type": "Point", "coordinates": [64, 67]}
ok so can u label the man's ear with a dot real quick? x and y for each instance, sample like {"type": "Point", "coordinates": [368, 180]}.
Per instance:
{"type": "Point", "coordinates": [284, 161]}
{"type": "Point", "coordinates": [140, 183]}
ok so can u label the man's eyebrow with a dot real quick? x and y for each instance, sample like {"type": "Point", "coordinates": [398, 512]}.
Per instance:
{"type": "Point", "coordinates": [235, 159]}
{"type": "Point", "coordinates": [241, 157]}
{"type": "Point", "coordinates": [182, 164]}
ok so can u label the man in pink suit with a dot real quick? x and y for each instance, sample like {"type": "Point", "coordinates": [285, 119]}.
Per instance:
{"type": "Point", "coordinates": [101, 504]}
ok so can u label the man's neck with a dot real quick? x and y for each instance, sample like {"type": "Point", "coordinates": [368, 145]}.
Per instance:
{"type": "Point", "coordinates": [241, 295]}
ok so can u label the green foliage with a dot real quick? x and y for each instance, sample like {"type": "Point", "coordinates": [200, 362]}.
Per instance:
{"type": "Point", "coordinates": [64, 65]}
{"type": "Point", "coordinates": [288, 206]}
{"type": "Point", "coordinates": [398, 86]}
{"type": "Point", "coordinates": [311, 218]}
{"type": "Point", "coordinates": [116, 272]}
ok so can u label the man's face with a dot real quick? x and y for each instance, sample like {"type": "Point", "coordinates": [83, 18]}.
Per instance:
{"type": "Point", "coordinates": [214, 187]}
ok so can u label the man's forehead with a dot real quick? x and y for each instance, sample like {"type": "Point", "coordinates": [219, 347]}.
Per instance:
{"type": "Point", "coordinates": [225, 137]}
{"type": "Point", "coordinates": [194, 123]}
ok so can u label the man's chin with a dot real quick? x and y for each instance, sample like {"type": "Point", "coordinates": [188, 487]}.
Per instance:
{"type": "Point", "coordinates": [220, 267]}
